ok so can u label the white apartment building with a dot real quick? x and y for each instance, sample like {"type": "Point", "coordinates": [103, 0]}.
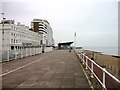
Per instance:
{"type": "Point", "coordinates": [50, 41]}
{"type": "Point", "coordinates": [17, 36]}
{"type": "Point", "coordinates": [19, 41]}
{"type": "Point", "coordinates": [43, 27]}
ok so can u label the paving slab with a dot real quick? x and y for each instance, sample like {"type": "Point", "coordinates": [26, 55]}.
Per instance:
{"type": "Point", "coordinates": [58, 69]}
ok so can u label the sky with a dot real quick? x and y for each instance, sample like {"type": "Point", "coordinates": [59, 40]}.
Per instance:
{"type": "Point", "coordinates": [94, 21]}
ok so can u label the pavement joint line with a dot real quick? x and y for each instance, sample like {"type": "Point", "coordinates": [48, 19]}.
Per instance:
{"type": "Point", "coordinates": [22, 66]}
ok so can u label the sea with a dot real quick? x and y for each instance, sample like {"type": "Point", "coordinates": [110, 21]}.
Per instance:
{"type": "Point", "coordinates": [115, 51]}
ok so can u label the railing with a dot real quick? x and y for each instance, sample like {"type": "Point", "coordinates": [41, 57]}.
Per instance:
{"type": "Point", "coordinates": [21, 53]}
{"type": "Point", "coordinates": [105, 79]}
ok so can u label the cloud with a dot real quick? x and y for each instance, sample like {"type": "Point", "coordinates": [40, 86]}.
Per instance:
{"type": "Point", "coordinates": [91, 19]}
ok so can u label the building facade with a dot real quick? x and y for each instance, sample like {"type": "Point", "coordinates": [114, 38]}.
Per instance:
{"type": "Point", "coordinates": [43, 27]}
{"type": "Point", "coordinates": [18, 35]}
{"type": "Point", "coordinates": [18, 38]}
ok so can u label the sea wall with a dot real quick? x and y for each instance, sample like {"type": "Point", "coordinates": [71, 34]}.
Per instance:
{"type": "Point", "coordinates": [111, 63]}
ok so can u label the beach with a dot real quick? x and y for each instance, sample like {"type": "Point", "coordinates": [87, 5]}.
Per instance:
{"type": "Point", "coordinates": [110, 62]}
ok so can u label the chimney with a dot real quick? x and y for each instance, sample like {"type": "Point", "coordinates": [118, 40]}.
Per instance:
{"type": "Point", "coordinates": [18, 23]}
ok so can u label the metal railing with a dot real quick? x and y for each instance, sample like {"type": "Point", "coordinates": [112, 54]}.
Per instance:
{"type": "Point", "coordinates": [105, 79]}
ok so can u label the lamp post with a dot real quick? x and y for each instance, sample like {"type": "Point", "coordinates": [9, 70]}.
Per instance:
{"type": "Point", "coordinates": [75, 40]}
{"type": "Point", "coordinates": [3, 34]}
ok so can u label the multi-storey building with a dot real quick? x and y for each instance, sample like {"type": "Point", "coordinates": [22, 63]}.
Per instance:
{"type": "Point", "coordinates": [43, 27]}
{"type": "Point", "coordinates": [18, 39]}
{"type": "Point", "coordinates": [17, 36]}
{"type": "Point", "coordinates": [50, 40]}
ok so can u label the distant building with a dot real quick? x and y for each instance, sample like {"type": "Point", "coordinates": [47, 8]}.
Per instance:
{"type": "Point", "coordinates": [43, 27]}
{"type": "Point", "coordinates": [65, 45]}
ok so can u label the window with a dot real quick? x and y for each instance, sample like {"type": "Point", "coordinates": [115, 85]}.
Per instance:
{"type": "Point", "coordinates": [11, 40]}
{"type": "Point", "coordinates": [14, 40]}
{"type": "Point", "coordinates": [41, 42]}
{"type": "Point", "coordinates": [12, 47]}
{"type": "Point", "coordinates": [12, 34]}
{"type": "Point", "coordinates": [42, 27]}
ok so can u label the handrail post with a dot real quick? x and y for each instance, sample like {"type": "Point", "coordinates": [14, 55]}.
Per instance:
{"type": "Point", "coordinates": [91, 69]}
{"type": "Point", "coordinates": [103, 78]}
{"type": "Point", "coordinates": [83, 58]}
{"type": "Point", "coordinates": [86, 63]}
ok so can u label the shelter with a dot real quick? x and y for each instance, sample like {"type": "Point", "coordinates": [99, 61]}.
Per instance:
{"type": "Point", "coordinates": [65, 45]}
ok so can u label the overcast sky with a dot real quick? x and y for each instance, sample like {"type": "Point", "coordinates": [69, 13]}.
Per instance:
{"type": "Point", "coordinates": [94, 21]}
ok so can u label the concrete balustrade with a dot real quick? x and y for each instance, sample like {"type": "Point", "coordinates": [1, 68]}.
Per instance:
{"type": "Point", "coordinates": [22, 53]}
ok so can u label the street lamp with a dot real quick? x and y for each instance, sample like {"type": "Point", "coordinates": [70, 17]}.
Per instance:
{"type": "Point", "coordinates": [3, 33]}
{"type": "Point", "coordinates": [75, 40]}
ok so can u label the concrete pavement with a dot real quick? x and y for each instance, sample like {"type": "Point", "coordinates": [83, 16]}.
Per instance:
{"type": "Point", "coordinates": [56, 69]}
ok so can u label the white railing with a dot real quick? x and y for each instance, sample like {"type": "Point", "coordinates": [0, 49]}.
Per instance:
{"type": "Point", "coordinates": [21, 53]}
{"type": "Point", "coordinates": [106, 80]}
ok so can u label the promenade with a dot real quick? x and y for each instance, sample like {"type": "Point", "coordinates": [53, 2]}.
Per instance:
{"type": "Point", "coordinates": [56, 69]}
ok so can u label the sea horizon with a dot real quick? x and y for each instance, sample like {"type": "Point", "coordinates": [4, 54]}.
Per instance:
{"type": "Point", "coordinates": [105, 50]}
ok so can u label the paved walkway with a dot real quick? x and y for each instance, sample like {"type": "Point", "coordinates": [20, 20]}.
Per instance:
{"type": "Point", "coordinates": [56, 69]}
